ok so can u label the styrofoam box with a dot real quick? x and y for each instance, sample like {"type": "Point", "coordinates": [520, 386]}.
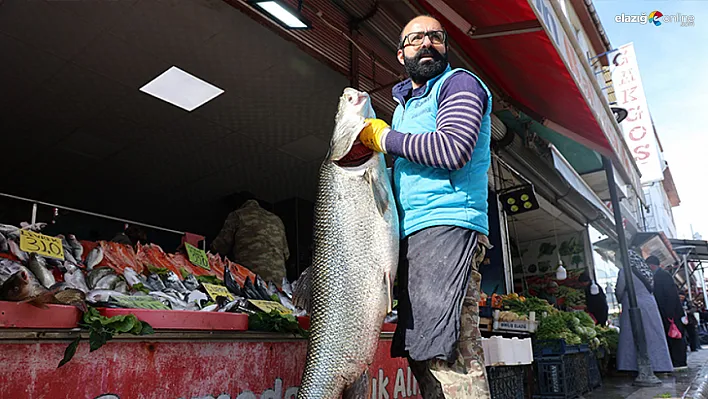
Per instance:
{"type": "Point", "coordinates": [500, 351]}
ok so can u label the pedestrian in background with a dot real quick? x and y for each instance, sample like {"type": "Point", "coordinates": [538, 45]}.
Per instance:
{"type": "Point", "coordinates": [652, 327]}
{"type": "Point", "coordinates": [671, 310]}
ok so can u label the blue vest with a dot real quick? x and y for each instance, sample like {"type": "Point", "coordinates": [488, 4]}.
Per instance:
{"type": "Point", "coordinates": [428, 196]}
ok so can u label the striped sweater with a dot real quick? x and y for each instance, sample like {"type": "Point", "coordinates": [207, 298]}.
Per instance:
{"type": "Point", "coordinates": [462, 102]}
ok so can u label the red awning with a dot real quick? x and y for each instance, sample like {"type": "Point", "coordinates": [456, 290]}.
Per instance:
{"type": "Point", "coordinates": [526, 66]}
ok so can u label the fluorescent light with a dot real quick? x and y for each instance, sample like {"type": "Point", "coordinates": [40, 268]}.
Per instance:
{"type": "Point", "coordinates": [283, 14]}
{"type": "Point", "coordinates": [179, 88]}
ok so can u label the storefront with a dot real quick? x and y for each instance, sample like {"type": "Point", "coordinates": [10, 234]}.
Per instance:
{"type": "Point", "coordinates": [95, 152]}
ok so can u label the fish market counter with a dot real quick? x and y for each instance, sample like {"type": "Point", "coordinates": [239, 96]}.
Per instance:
{"type": "Point", "coordinates": [172, 364]}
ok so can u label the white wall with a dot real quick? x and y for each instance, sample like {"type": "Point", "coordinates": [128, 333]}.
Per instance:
{"type": "Point", "coordinates": [659, 216]}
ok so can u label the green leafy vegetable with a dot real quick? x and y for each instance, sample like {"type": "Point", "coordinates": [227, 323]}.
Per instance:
{"type": "Point", "coordinates": [160, 271]}
{"type": "Point", "coordinates": [141, 287]}
{"type": "Point", "coordinates": [210, 280]}
{"type": "Point", "coordinates": [101, 329]}
{"type": "Point", "coordinates": [275, 322]}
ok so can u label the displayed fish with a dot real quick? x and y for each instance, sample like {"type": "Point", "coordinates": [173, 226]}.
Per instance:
{"type": "Point", "coordinates": [4, 246]}
{"type": "Point", "coordinates": [132, 277]}
{"type": "Point", "coordinates": [191, 283]}
{"type": "Point", "coordinates": [97, 296]}
{"type": "Point", "coordinates": [36, 227]}
{"type": "Point", "coordinates": [154, 283]}
{"type": "Point", "coordinates": [71, 296]}
{"type": "Point", "coordinates": [8, 268]}
{"type": "Point", "coordinates": [231, 283]}
{"type": "Point", "coordinates": [97, 274]}
{"type": "Point", "coordinates": [250, 290]}
{"type": "Point", "coordinates": [9, 230]}
{"type": "Point", "coordinates": [15, 250]}
{"type": "Point", "coordinates": [108, 282]}
{"type": "Point", "coordinates": [285, 301]}
{"type": "Point", "coordinates": [77, 250]}
{"type": "Point", "coordinates": [94, 257]}
{"type": "Point", "coordinates": [23, 287]}
{"type": "Point", "coordinates": [238, 305]}
{"type": "Point", "coordinates": [197, 297]}
{"type": "Point", "coordinates": [261, 287]}
{"type": "Point", "coordinates": [38, 267]}
{"type": "Point", "coordinates": [287, 287]}
{"type": "Point", "coordinates": [173, 301]}
{"type": "Point", "coordinates": [75, 279]}
{"type": "Point", "coordinates": [172, 281]}
{"type": "Point", "coordinates": [210, 308]}
{"type": "Point", "coordinates": [272, 289]}
{"type": "Point", "coordinates": [355, 259]}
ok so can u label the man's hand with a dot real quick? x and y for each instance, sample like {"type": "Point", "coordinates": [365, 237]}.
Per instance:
{"type": "Point", "coordinates": [374, 134]}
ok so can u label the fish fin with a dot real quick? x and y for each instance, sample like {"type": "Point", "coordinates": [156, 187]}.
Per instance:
{"type": "Point", "coordinates": [380, 193]}
{"type": "Point", "coordinates": [302, 290]}
{"type": "Point", "coordinates": [389, 292]}
{"type": "Point", "coordinates": [360, 389]}
{"type": "Point", "coordinates": [41, 300]}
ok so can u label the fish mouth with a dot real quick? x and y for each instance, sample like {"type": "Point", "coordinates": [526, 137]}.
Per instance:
{"type": "Point", "coordinates": [358, 155]}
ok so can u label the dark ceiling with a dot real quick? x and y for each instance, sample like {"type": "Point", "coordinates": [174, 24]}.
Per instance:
{"type": "Point", "coordinates": [77, 131]}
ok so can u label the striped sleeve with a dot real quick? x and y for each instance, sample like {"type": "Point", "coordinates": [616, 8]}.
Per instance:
{"type": "Point", "coordinates": [462, 103]}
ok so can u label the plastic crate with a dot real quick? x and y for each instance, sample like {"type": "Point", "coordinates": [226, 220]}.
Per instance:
{"type": "Point", "coordinates": [594, 377]}
{"type": "Point", "coordinates": [506, 382]}
{"type": "Point", "coordinates": [556, 347]}
{"type": "Point", "coordinates": [579, 363]}
{"type": "Point", "coordinates": [556, 377]}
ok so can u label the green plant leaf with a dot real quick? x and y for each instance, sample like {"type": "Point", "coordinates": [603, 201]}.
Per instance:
{"type": "Point", "coordinates": [70, 351]}
{"type": "Point", "coordinates": [146, 329]}
{"type": "Point", "coordinates": [98, 338]}
{"type": "Point", "coordinates": [140, 287]}
{"type": "Point", "coordinates": [210, 280]}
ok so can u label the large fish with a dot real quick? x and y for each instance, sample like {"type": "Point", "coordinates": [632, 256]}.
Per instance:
{"type": "Point", "coordinates": [355, 260]}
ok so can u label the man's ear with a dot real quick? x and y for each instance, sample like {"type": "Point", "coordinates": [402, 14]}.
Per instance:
{"type": "Point", "coordinates": [399, 55]}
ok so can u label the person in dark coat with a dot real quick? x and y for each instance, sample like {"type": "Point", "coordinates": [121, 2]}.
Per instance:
{"type": "Point", "coordinates": [667, 298]}
{"type": "Point", "coordinates": [596, 304]}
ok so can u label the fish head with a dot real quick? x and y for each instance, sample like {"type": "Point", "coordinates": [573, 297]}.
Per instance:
{"type": "Point", "coordinates": [17, 287]}
{"type": "Point", "coordinates": [345, 147]}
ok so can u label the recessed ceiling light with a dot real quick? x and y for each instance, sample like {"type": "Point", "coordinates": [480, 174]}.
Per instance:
{"type": "Point", "coordinates": [283, 14]}
{"type": "Point", "coordinates": [179, 88]}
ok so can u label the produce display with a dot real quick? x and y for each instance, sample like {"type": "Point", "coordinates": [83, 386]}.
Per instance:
{"type": "Point", "coordinates": [576, 328]}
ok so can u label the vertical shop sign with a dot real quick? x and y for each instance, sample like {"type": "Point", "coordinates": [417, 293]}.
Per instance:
{"type": "Point", "coordinates": [637, 127]}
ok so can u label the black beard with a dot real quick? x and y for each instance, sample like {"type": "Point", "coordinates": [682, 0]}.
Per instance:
{"type": "Point", "coordinates": [421, 73]}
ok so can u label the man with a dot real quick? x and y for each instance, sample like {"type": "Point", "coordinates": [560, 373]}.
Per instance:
{"type": "Point", "coordinates": [255, 239]}
{"type": "Point", "coordinates": [596, 304]}
{"type": "Point", "coordinates": [670, 308]}
{"type": "Point", "coordinates": [440, 140]}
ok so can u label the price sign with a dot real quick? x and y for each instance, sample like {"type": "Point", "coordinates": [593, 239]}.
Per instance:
{"type": "Point", "coordinates": [217, 290]}
{"type": "Point", "coordinates": [267, 306]}
{"type": "Point", "coordinates": [41, 244]}
{"type": "Point", "coordinates": [197, 256]}
{"type": "Point", "coordinates": [139, 302]}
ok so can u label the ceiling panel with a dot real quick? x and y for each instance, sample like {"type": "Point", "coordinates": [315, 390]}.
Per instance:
{"type": "Point", "coordinates": [48, 28]}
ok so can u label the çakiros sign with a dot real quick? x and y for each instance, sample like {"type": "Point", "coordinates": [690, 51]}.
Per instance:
{"type": "Point", "coordinates": [637, 127]}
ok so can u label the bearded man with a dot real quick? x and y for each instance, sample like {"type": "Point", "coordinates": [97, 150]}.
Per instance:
{"type": "Point", "coordinates": [440, 141]}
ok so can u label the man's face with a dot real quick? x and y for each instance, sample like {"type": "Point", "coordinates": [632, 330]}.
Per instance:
{"type": "Point", "coordinates": [427, 58]}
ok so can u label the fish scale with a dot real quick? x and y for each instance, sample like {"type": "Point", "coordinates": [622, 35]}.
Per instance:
{"type": "Point", "coordinates": [355, 248]}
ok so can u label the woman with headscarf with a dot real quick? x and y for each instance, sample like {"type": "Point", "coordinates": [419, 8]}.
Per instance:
{"type": "Point", "coordinates": [652, 327]}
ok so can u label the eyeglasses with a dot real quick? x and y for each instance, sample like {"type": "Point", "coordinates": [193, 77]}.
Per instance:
{"type": "Point", "coordinates": [417, 38]}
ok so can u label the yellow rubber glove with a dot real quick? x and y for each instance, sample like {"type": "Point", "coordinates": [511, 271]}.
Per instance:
{"type": "Point", "coordinates": [374, 134]}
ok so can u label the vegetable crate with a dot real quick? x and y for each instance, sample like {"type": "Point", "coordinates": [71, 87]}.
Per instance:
{"type": "Point", "coordinates": [561, 377]}
{"type": "Point", "coordinates": [556, 347]}
{"type": "Point", "coordinates": [506, 382]}
{"type": "Point", "coordinates": [594, 378]}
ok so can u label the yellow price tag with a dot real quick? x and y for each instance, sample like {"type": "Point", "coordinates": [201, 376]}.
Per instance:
{"type": "Point", "coordinates": [197, 256]}
{"type": "Point", "coordinates": [41, 244]}
{"type": "Point", "coordinates": [267, 306]}
{"type": "Point", "coordinates": [217, 290]}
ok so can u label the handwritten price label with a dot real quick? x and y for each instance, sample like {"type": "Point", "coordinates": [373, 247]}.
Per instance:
{"type": "Point", "coordinates": [197, 256]}
{"type": "Point", "coordinates": [217, 290]}
{"type": "Point", "coordinates": [267, 306]}
{"type": "Point", "coordinates": [41, 244]}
